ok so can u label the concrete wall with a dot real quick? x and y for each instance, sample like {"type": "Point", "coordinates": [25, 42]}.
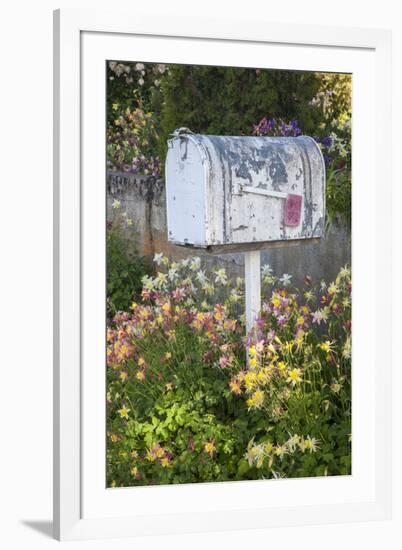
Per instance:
{"type": "Point", "coordinates": [143, 199]}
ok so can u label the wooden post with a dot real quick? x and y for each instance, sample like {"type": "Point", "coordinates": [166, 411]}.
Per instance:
{"type": "Point", "coordinates": [252, 264]}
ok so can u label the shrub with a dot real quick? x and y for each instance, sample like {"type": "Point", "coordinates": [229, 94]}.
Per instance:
{"type": "Point", "coordinates": [124, 266]}
{"type": "Point", "coordinates": [185, 406]}
{"type": "Point", "coordinates": [228, 101]}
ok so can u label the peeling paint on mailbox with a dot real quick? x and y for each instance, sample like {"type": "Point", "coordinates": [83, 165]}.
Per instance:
{"type": "Point", "coordinates": [243, 191]}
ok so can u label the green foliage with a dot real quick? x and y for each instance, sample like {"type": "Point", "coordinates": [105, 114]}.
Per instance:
{"type": "Point", "coordinates": [125, 267]}
{"type": "Point", "coordinates": [183, 404]}
{"type": "Point", "coordinates": [229, 101]}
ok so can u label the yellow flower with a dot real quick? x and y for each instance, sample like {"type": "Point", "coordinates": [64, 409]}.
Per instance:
{"type": "Point", "coordinates": [114, 438]}
{"type": "Point", "coordinates": [166, 307]}
{"type": "Point", "coordinates": [141, 361]}
{"type": "Point", "coordinates": [256, 400]}
{"type": "Point", "coordinates": [309, 444]}
{"type": "Point", "coordinates": [300, 321]}
{"type": "Point", "coordinates": [295, 376]}
{"type": "Point", "coordinates": [268, 447]}
{"type": "Point", "coordinates": [250, 379]}
{"type": "Point", "coordinates": [275, 301]}
{"type": "Point", "coordinates": [123, 412]}
{"type": "Point", "coordinates": [168, 386]}
{"type": "Point", "coordinates": [123, 376]}
{"type": "Point", "coordinates": [253, 362]}
{"type": "Point", "coordinates": [209, 448]}
{"type": "Point", "coordinates": [327, 346]}
{"type": "Point", "coordinates": [140, 375]}
{"type": "Point", "coordinates": [134, 471]}
{"type": "Point", "coordinates": [281, 450]}
{"type": "Point", "coordinates": [282, 365]}
{"type": "Point", "coordinates": [332, 289]}
{"type": "Point", "coordinates": [165, 462]}
{"type": "Point", "coordinates": [235, 387]}
{"type": "Point", "coordinates": [252, 351]}
{"type": "Point", "coordinates": [160, 452]}
{"type": "Point", "coordinates": [168, 355]}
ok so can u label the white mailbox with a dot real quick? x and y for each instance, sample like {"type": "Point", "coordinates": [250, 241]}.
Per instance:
{"type": "Point", "coordinates": [243, 193]}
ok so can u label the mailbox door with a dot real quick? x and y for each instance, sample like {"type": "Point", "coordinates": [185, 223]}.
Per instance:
{"type": "Point", "coordinates": [185, 193]}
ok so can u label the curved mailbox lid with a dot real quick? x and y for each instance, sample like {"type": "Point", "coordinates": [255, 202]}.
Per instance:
{"type": "Point", "coordinates": [258, 189]}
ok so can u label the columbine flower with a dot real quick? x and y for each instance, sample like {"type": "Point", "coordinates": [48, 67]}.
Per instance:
{"type": "Point", "coordinates": [317, 316]}
{"type": "Point", "coordinates": [220, 276]}
{"type": "Point", "coordinates": [158, 258]}
{"type": "Point", "coordinates": [285, 279]}
{"type": "Point", "coordinates": [123, 412]}
{"type": "Point", "coordinates": [201, 277]}
{"type": "Point", "coordinates": [235, 386]}
{"type": "Point", "coordinates": [195, 263]}
{"type": "Point", "coordinates": [295, 376]}
{"type": "Point", "coordinates": [327, 346]}
{"type": "Point", "coordinates": [172, 273]}
{"type": "Point", "coordinates": [210, 448]}
{"type": "Point", "coordinates": [347, 349]}
{"type": "Point", "coordinates": [253, 362]}
{"type": "Point", "coordinates": [252, 351]}
{"type": "Point", "coordinates": [309, 444]}
{"type": "Point", "coordinates": [344, 272]}
{"type": "Point", "coordinates": [147, 282]}
{"type": "Point", "coordinates": [292, 443]}
{"type": "Point", "coordinates": [224, 361]}
{"type": "Point", "coordinates": [116, 204]}
{"type": "Point", "coordinates": [256, 401]}
{"type": "Point", "coordinates": [266, 270]}
{"type": "Point", "coordinates": [123, 376]}
{"type": "Point", "coordinates": [281, 451]}
{"type": "Point", "coordinates": [332, 289]}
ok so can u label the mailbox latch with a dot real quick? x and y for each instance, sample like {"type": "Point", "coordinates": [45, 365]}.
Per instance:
{"type": "Point", "coordinates": [293, 202]}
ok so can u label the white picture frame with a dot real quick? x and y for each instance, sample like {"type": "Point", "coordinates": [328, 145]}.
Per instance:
{"type": "Point", "coordinates": [83, 507]}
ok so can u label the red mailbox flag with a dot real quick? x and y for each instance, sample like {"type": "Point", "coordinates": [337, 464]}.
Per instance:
{"type": "Point", "coordinates": [293, 206]}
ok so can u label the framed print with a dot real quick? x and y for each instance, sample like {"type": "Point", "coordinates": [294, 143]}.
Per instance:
{"type": "Point", "coordinates": [216, 192]}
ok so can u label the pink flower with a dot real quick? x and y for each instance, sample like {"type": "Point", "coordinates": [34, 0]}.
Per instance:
{"type": "Point", "coordinates": [317, 317]}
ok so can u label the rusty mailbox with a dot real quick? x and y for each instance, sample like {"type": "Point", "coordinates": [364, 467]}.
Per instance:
{"type": "Point", "coordinates": [243, 192]}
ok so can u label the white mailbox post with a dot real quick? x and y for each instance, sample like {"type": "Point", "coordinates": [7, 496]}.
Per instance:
{"type": "Point", "coordinates": [241, 193]}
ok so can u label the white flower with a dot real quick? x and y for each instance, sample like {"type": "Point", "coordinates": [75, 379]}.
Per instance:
{"type": "Point", "coordinates": [201, 277]}
{"type": "Point", "coordinates": [141, 81]}
{"type": "Point", "coordinates": [161, 68]}
{"type": "Point", "coordinates": [221, 276]}
{"type": "Point", "coordinates": [158, 258]}
{"type": "Point", "coordinates": [161, 280]}
{"type": "Point", "coordinates": [148, 282]}
{"type": "Point", "coordinates": [266, 270]}
{"type": "Point", "coordinates": [195, 263]}
{"type": "Point", "coordinates": [285, 279]}
{"type": "Point", "coordinates": [139, 67]}
{"type": "Point", "coordinates": [172, 273]}
{"type": "Point", "coordinates": [116, 204]}
{"type": "Point", "coordinates": [129, 221]}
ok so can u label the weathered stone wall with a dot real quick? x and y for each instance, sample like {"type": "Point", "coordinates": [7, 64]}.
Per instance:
{"type": "Point", "coordinates": [143, 199]}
